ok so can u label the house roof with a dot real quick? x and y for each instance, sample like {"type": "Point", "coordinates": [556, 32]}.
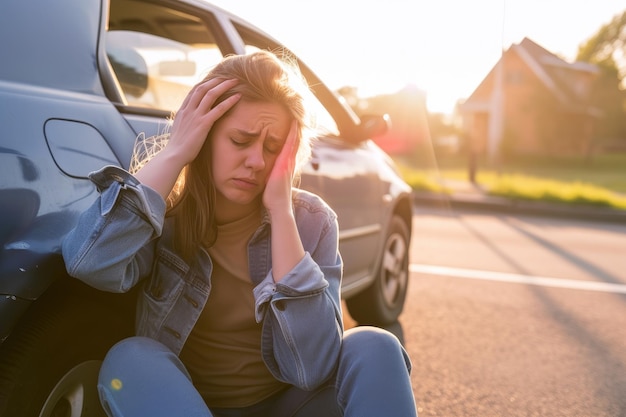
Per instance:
{"type": "Point", "coordinates": [555, 73]}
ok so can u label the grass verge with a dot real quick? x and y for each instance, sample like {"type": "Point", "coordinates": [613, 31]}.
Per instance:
{"type": "Point", "coordinates": [601, 184]}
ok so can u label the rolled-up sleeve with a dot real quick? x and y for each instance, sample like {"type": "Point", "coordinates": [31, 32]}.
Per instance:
{"type": "Point", "coordinates": [301, 315]}
{"type": "Point", "coordinates": [109, 246]}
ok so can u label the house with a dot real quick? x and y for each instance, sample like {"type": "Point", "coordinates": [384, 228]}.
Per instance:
{"type": "Point", "coordinates": [531, 102]}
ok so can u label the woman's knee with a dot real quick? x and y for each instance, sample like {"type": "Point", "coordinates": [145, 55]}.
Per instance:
{"type": "Point", "coordinates": [136, 345]}
{"type": "Point", "coordinates": [373, 344]}
{"type": "Point", "coordinates": [140, 376]}
{"type": "Point", "coordinates": [138, 355]}
{"type": "Point", "coordinates": [133, 349]}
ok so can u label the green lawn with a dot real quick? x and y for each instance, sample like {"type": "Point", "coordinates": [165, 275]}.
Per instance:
{"type": "Point", "coordinates": [600, 182]}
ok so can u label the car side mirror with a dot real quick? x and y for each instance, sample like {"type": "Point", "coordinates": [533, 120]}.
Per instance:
{"type": "Point", "coordinates": [131, 70]}
{"type": "Point", "coordinates": [373, 125]}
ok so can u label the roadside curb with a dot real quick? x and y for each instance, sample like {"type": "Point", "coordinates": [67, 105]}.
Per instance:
{"type": "Point", "coordinates": [506, 205]}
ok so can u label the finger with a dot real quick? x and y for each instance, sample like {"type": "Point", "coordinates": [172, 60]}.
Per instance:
{"type": "Point", "coordinates": [293, 140]}
{"type": "Point", "coordinates": [214, 92]}
{"type": "Point", "coordinates": [220, 109]}
{"type": "Point", "coordinates": [286, 158]}
{"type": "Point", "coordinates": [198, 93]}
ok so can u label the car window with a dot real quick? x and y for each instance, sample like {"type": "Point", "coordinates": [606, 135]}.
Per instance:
{"type": "Point", "coordinates": [157, 53]}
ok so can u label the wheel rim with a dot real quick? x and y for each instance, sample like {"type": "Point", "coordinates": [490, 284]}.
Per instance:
{"type": "Point", "coordinates": [75, 395]}
{"type": "Point", "coordinates": [394, 273]}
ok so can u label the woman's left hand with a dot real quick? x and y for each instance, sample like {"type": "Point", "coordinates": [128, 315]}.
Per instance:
{"type": "Point", "coordinates": [287, 249]}
{"type": "Point", "coordinates": [277, 194]}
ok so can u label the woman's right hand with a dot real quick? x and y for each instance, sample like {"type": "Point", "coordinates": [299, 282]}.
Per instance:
{"type": "Point", "coordinates": [197, 115]}
{"type": "Point", "coordinates": [187, 135]}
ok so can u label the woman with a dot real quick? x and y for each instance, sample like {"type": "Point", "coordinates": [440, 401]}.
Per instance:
{"type": "Point", "coordinates": [240, 310]}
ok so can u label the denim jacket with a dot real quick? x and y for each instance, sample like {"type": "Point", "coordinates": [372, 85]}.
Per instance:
{"type": "Point", "coordinates": [123, 239]}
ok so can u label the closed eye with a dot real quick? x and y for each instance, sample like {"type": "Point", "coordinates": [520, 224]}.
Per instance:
{"type": "Point", "coordinates": [240, 143]}
{"type": "Point", "coordinates": [273, 147]}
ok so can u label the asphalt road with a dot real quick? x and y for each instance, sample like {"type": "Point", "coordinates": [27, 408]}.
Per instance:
{"type": "Point", "coordinates": [516, 316]}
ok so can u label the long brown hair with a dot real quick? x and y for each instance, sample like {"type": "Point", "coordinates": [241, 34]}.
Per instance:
{"type": "Point", "coordinates": [263, 77]}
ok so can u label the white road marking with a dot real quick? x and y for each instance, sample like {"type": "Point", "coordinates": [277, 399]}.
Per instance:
{"type": "Point", "coordinates": [517, 278]}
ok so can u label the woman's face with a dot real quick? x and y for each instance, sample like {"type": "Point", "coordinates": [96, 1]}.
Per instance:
{"type": "Point", "coordinates": [245, 144]}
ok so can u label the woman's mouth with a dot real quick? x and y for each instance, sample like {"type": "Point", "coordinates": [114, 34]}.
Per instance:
{"type": "Point", "coordinates": [246, 183]}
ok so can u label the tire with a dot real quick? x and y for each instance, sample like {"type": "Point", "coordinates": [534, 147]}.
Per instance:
{"type": "Point", "coordinates": [49, 364]}
{"type": "Point", "coordinates": [382, 302]}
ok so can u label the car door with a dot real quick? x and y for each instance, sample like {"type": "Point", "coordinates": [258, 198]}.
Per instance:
{"type": "Point", "coordinates": [345, 176]}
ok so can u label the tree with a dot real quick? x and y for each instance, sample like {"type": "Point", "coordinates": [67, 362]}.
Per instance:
{"type": "Point", "coordinates": [609, 42]}
{"type": "Point", "coordinates": [607, 49]}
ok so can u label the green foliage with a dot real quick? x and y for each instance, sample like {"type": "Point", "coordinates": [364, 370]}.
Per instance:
{"type": "Point", "coordinates": [421, 181]}
{"type": "Point", "coordinates": [607, 49]}
{"type": "Point", "coordinates": [564, 180]}
{"type": "Point", "coordinates": [610, 38]}
{"type": "Point", "coordinates": [539, 189]}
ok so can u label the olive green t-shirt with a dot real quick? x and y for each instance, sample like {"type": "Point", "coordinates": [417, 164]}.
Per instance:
{"type": "Point", "coordinates": [223, 352]}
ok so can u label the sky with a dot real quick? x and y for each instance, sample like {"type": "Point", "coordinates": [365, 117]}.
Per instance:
{"type": "Point", "coordinates": [443, 47]}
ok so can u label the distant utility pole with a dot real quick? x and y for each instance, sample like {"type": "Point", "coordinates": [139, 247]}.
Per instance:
{"type": "Point", "coordinates": [496, 113]}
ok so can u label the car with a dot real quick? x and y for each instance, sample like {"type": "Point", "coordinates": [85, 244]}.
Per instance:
{"type": "Point", "coordinates": [82, 82]}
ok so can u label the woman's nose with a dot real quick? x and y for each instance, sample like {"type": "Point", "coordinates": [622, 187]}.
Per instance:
{"type": "Point", "coordinates": [254, 157]}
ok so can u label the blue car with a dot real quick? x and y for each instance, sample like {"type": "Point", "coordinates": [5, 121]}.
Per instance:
{"type": "Point", "coordinates": [81, 82]}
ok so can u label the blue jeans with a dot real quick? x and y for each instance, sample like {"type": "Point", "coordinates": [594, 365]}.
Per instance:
{"type": "Point", "coordinates": [141, 377]}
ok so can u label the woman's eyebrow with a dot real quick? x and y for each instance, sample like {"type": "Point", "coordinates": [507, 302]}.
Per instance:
{"type": "Point", "coordinates": [253, 135]}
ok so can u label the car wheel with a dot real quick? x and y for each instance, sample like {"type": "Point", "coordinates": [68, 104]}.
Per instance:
{"type": "Point", "coordinates": [76, 393]}
{"type": "Point", "coordinates": [49, 364]}
{"type": "Point", "coordinates": [382, 302]}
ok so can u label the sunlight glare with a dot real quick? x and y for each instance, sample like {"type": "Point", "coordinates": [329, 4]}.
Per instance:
{"type": "Point", "coordinates": [444, 47]}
